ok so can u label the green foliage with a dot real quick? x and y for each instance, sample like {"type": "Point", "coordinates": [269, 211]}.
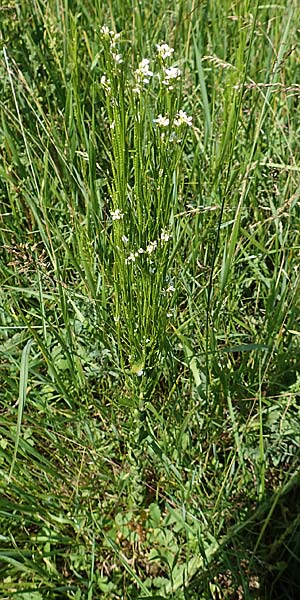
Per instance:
{"type": "Point", "coordinates": [149, 303]}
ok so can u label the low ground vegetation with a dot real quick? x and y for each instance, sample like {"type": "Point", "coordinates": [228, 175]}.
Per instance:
{"type": "Point", "coordinates": [149, 303]}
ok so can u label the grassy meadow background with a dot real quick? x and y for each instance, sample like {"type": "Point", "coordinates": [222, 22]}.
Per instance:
{"type": "Point", "coordinates": [149, 302]}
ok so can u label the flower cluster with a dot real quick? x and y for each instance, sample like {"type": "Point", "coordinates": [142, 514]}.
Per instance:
{"type": "Point", "coordinates": [165, 235]}
{"type": "Point", "coordinates": [162, 121]}
{"type": "Point", "coordinates": [169, 287]}
{"type": "Point", "coordinates": [112, 38]}
{"type": "Point", "coordinates": [164, 51]}
{"type": "Point", "coordinates": [117, 58]}
{"type": "Point", "coordinates": [181, 118]}
{"type": "Point", "coordinates": [142, 75]}
{"type": "Point", "coordinates": [106, 84]}
{"type": "Point", "coordinates": [116, 215]}
{"type": "Point", "coordinates": [171, 74]}
{"type": "Point", "coordinates": [150, 248]}
{"type": "Point", "coordinates": [143, 72]}
{"type": "Point", "coordinates": [109, 35]}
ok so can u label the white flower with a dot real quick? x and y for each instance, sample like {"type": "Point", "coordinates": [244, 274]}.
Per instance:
{"type": "Point", "coordinates": [165, 236]}
{"type": "Point", "coordinates": [162, 121]}
{"type": "Point", "coordinates": [140, 251]}
{"type": "Point", "coordinates": [171, 74]}
{"type": "Point", "coordinates": [105, 83]}
{"type": "Point", "coordinates": [151, 247]}
{"type": "Point", "coordinates": [170, 289]}
{"type": "Point", "coordinates": [109, 35]}
{"type": "Point", "coordinates": [105, 31]}
{"type": "Point", "coordinates": [140, 372]}
{"type": "Point", "coordinates": [114, 38]}
{"type": "Point", "coordinates": [143, 73]}
{"type": "Point", "coordinates": [124, 239]}
{"type": "Point", "coordinates": [116, 215]}
{"type": "Point", "coordinates": [130, 258]}
{"type": "Point", "coordinates": [164, 51]}
{"type": "Point", "coordinates": [183, 119]}
{"type": "Point", "coordinates": [117, 58]}
{"type": "Point", "coordinates": [144, 67]}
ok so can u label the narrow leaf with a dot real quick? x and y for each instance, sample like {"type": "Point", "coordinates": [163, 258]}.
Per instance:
{"type": "Point", "coordinates": [21, 401]}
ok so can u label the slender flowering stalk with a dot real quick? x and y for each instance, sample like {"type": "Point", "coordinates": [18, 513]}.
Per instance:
{"type": "Point", "coordinates": [105, 83]}
{"type": "Point", "coordinates": [142, 75]}
{"type": "Point", "coordinates": [110, 39]}
{"type": "Point", "coordinates": [145, 195]}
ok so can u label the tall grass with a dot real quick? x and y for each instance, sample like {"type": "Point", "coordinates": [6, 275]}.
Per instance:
{"type": "Point", "coordinates": [149, 303]}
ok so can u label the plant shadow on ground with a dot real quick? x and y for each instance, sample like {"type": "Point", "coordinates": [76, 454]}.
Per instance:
{"type": "Point", "coordinates": [255, 565]}
{"type": "Point", "coordinates": [102, 482]}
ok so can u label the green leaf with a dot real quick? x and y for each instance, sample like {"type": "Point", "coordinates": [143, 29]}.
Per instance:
{"type": "Point", "coordinates": [28, 596]}
{"type": "Point", "coordinates": [246, 348]}
{"type": "Point", "coordinates": [21, 401]}
{"type": "Point", "coordinates": [151, 598]}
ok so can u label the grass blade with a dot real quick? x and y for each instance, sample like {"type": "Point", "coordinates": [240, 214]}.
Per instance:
{"type": "Point", "coordinates": [21, 401]}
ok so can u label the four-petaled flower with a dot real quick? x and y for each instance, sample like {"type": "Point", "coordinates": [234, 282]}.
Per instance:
{"type": "Point", "coordinates": [143, 73]}
{"type": "Point", "coordinates": [183, 119]}
{"type": "Point", "coordinates": [105, 83]}
{"type": "Point", "coordinates": [171, 74]}
{"type": "Point", "coordinates": [164, 51]}
{"type": "Point", "coordinates": [116, 215]}
{"type": "Point", "coordinates": [109, 35]}
{"type": "Point", "coordinates": [117, 58]}
{"type": "Point", "coordinates": [170, 289]}
{"type": "Point", "coordinates": [130, 258]}
{"type": "Point", "coordinates": [162, 121]}
{"type": "Point", "coordinates": [151, 247]}
{"type": "Point", "coordinates": [165, 236]}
